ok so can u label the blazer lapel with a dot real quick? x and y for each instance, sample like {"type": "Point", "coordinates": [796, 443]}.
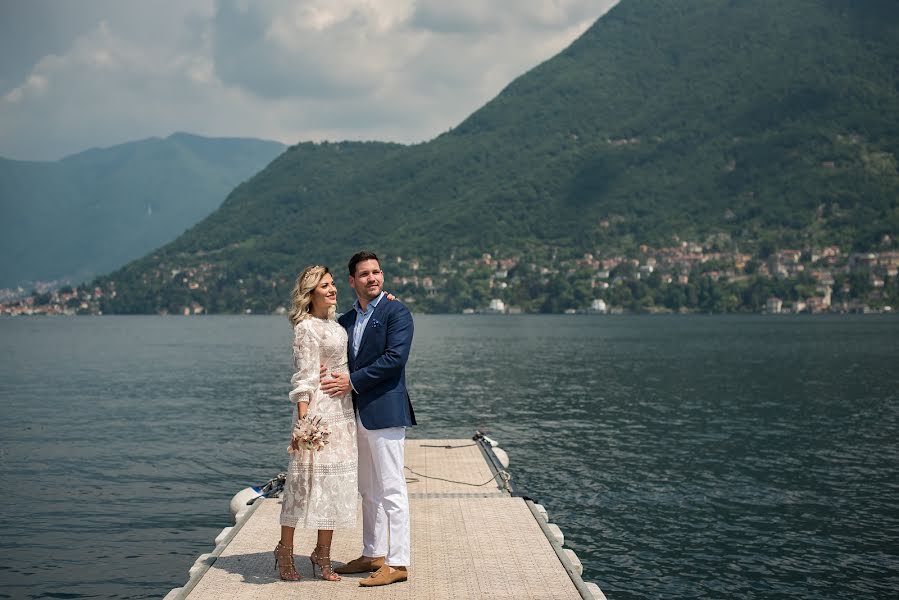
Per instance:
{"type": "Point", "coordinates": [375, 317]}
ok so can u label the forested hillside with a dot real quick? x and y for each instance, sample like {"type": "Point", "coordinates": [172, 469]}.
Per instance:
{"type": "Point", "coordinates": [745, 127]}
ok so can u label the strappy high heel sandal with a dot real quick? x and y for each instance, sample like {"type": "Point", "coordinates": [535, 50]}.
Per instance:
{"type": "Point", "coordinates": [284, 563]}
{"type": "Point", "coordinates": [323, 562]}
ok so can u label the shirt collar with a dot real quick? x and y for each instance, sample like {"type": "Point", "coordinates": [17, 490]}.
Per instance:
{"type": "Point", "coordinates": [373, 304]}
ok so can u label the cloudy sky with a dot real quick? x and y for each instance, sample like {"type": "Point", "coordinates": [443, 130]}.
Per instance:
{"type": "Point", "coordinates": [76, 74]}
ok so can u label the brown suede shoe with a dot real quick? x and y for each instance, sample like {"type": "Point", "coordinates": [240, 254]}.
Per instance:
{"type": "Point", "coordinates": [363, 564]}
{"type": "Point", "coordinates": [383, 576]}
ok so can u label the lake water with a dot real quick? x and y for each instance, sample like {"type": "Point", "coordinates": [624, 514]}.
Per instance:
{"type": "Point", "coordinates": [683, 457]}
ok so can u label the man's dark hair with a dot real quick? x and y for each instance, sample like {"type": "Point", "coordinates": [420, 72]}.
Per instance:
{"type": "Point", "coordinates": [358, 258]}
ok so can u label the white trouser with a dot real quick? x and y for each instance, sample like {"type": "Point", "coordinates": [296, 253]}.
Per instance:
{"type": "Point", "coordinates": [385, 502]}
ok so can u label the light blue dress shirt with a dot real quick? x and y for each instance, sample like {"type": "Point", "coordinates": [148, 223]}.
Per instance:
{"type": "Point", "coordinates": [362, 318]}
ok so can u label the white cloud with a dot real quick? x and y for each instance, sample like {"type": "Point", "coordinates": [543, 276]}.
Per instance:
{"type": "Point", "coordinates": [405, 70]}
{"type": "Point", "coordinates": [35, 86]}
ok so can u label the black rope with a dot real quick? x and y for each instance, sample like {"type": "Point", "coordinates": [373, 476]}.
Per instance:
{"type": "Point", "coordinates": [504, 474]}
{"type": "Point", "coordinates": [447, 447]}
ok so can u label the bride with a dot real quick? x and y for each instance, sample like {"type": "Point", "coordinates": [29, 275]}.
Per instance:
{"type": "Point", "coordinates": [320, 491]}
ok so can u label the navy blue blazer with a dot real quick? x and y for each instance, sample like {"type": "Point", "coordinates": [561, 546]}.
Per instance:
{"type": "Point", "coordinates": [378, 371]}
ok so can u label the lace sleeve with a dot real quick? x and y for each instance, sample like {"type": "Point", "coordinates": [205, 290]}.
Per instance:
{"type": "Point", "coordinates": [305, 360]}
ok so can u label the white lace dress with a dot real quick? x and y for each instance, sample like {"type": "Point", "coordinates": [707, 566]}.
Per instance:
{"type": "Point", "coordinates": [321, 490]}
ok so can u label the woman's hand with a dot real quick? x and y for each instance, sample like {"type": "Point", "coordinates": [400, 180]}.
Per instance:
{"type": "Point", "coordinates": [302, 409]}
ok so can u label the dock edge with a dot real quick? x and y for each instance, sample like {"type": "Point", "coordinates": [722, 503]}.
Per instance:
{"type": "Point", "coordinates": [205, 561]}
{"type": "Point", "coordinates": [566, 556]}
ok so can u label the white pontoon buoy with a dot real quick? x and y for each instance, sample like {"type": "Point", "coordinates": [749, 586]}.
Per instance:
{"type": "Point", "coordinates": [239, 501]}
{"type": "Point", "coordinates": [221, 536]}
{"type": "Point", "coordinates": [557, 533]}
{"type": "Point", "coordinates": [575, 561]}
{"type": "Point", "coordinates": [502, 456]}
{"type": "Point", "coordinates": [594, 589]}
{"type": "Point", "coordinates": [198, 564]}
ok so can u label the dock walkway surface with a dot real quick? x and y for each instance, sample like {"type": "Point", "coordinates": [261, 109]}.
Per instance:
{"type": "Point", "coordinates": [468, 541]}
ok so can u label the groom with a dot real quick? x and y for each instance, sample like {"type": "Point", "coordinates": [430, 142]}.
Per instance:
{"type": "Point", "coordinates": [379, 335]}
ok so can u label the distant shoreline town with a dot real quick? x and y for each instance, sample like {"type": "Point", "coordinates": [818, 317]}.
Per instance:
{"type": "Point", "coordinates": [685, 278]}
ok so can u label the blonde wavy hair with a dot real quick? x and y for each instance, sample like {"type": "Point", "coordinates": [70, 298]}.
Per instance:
{"type": "Point", "coordinates": [301, 297]}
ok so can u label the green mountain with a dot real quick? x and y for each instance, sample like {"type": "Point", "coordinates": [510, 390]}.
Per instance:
{"type": "Point", "coordinates": [94, 211]}
{"type": "Point", "coordinates": [765, 124]}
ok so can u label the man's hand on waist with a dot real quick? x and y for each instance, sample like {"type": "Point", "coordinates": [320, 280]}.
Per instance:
{"type": "Point", "coordinates": [335, 384]}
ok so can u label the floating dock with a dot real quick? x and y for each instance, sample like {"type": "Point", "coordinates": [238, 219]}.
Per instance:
{"type": "Point", "coordinates": [472, 537]}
